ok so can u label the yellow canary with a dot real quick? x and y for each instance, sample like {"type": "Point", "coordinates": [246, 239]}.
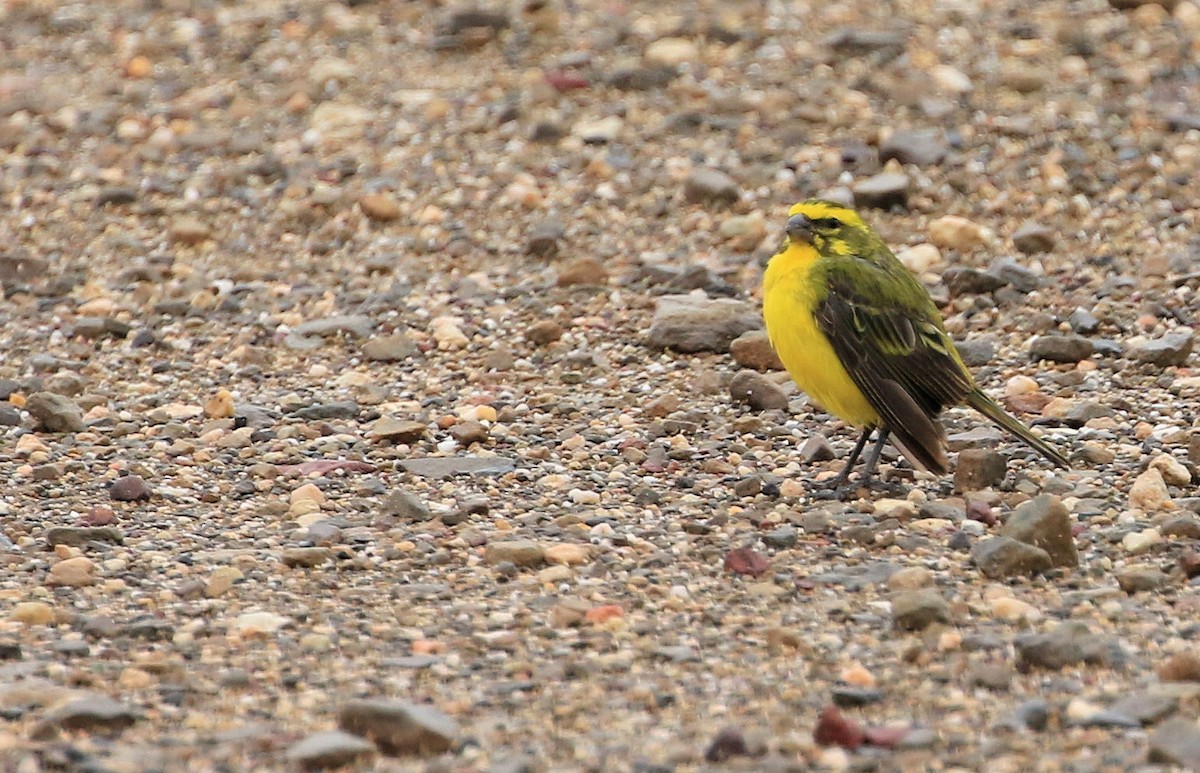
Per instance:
{"type": "Point", "coordinates": [862, 337]}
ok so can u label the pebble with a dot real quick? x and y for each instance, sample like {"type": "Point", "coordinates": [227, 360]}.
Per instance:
{"type": "Point", "coordinates": [1139, 579]}
{"type": "Point", "coordinates": [89, 714]}
{"type": "Point", "coordinates": [979, 468]}
{"type": "Point", "coordinates": [1012, 610]}
{"type": "Point", "coordinates": [380, 207]}
{"type": "Point", "coordinates": [543, 332]}
{"type": "Point", "coordinates": [73, 572]}
{"type": "Point", "coordinates": [129, 488]}
{"type": "Point", "coordinates": [753, 350]}
{"type": "Point", "coordinates": [1002, 557]}
{"type": "Point", "coordinates": [1068, 644]}
{"type": "Point", "coordinates": [1173, 471]}
{"type": "Point", "coordinates": [671, 52]}
{"type": "Point", "coordinates": [1180, 667]}
{"type": "Point", "coordinates": [568, 554]}
{"type": "Point", "coordinates": [398, 727]}
{"type": "Point", "coordinates": [54, 412]}
{"type": "Point", "coordinates": [397, 430]}
{"type": "Point", "coordinates": [920, 258]}
{"type": "Point", "coordinates": [1045, 523]}
{"type": "Point", "coordinates": [1056, 348]}
{"type": "Point", "coordinates": [1149, 492]}
{"type": "Point", "coordinates": [32, 613]}
{"type": "Point", "coordinates": [1175, 742]}
{"type": "Point", "coordinates": [914, 610]}
{"type": "Point", "coordinates": [448, 467]}
{"type": "Point", "coordinates": [883, 191]}
{"type": "Point", "coordinates": [755, 390]}
{"type": "Point", "coordinates": [582, 271]}
{"type": "Point", "coordinates": [688, 323]}
{"type": "Point", "coordinates": [545, 237]}
{"type": "Point", "coordinates": [258, 624]}
{"type": "Point", "coordinates": [952, 232]}
{"type": "Point", "coordinates": [396, 347]}
{"type": "Point", "coordinates": [1172, 348]}
{"type": "Point", "coordinates": [1138, 542]}
{"type": "Point", "coordinates": [330, 749]}
{"type": "Point", "coordinates": [1031, 238]}
{"type": "Point", "coordinates": [712, 187]}
{"type": "Point", "coordinates": [921, 147]}
{"type": "Point", "coordinates": [516, 552]}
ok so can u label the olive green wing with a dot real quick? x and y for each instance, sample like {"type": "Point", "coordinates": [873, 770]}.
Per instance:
{"type": "Point", "coordinates": [889, 337]}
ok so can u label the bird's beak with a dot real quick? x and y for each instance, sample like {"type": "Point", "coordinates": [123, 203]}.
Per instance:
{"type": "Point", "coordinates": [799, 229]}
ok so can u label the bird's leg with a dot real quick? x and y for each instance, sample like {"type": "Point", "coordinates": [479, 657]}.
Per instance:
{"type": "Point", "coordinates": [838, 487]}
{"type": "Point", "coordinates": [843, 477]}
{"type": "Point", "coordinates": [873, 457]}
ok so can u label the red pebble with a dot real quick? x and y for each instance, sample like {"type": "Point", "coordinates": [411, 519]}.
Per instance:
{"type": "Point", "coordinates": [833, 729]}
{"type": "Point", "coordinates": [746, 561]}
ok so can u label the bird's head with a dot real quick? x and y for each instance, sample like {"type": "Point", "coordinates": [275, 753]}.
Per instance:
{"type": "Point", "coordinates": [823, 224]}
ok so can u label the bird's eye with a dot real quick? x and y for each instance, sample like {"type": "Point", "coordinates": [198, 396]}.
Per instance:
{"type": "Point", "coordinates": [827, 223]}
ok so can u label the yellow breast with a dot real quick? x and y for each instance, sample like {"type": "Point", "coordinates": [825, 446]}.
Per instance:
{"type": "Point", "coordinates": [789, 299]}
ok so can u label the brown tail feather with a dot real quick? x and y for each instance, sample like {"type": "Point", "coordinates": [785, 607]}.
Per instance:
{"type": "Point", "coordinates": [989, 408]}
{"type": "Point", "coordinates": [918, 436]}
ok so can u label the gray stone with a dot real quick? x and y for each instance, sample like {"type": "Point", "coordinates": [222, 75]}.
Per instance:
{"type": "Point", "coordinates": [449, 466]}
{"type": "Point", "coordinates": [1172, 348]}
{"type": "Point", "coordinates": [979, 468]}
{"type": "Point", "coordinates": [330, 749]}
{"type": "Point", "coordinates": [305, 334]}
{"type": "Point", "coordinates": [883, 191]}
{"type": "Point", "coordinates": [1002, 557]}
{"type": "Point", "coordinates": [406, 506]}
{"type": "Point", "coordinates": [1057, 348]}
{"type": "Point", "coordinates": [398, 727]}
{"type": "Point", "coordinates": [914, 610]}
{"type": "Point", "coordinates": [688, 323]}
{"type": "Point", "coordinates": [1137, 579]}
{"type": "Point", "coordinates": [922, 147]}
{"type": "Point", "coordinates": [978, 351]}
{"type": "Point", "coordinates": [705, 185]}
{"type": "Point", "coordinates": [91, 714]}
{"type": "Point", "coordinates": [970, 281]}
{"type": "Point", "coordinates": [1068, 644]}
{"type": "Point", "coordinates": [1045, 523]}
{"type": "Point", "coordinates": [544, 237]}
{"type": "Point", "coordinates": [1083, 322]}
{"type": "Point", "coordinates": [1034, 237]}
{"type": "Point", "coordinates": [1176, 742]}
{"type": "Point", "coordinates": [782, 537]}
{"type": "Point", "coordinates": [520, 552]}
{"type": "Point", "coordinates": [340, 409]}
{"type": "Point", "coordinates": [54, 412]}
{"type": "Point", "coordinates": [1147, 706]}
{"type": "Point", "coordinates": [817, 449]}
{"type": "Point", "coordinates": [306, 557]}
{"type": "Point", "coordinates": [755, 390]}
{"type": "Point", "coordinates": [396, 347]}
{"type": "Point", "coordinates": [82, 535]}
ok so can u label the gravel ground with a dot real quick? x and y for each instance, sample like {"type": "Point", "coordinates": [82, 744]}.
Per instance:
{"type": "Point", "coordinates": [385, 388]}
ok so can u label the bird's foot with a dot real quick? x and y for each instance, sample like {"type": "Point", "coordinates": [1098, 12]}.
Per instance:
{"type": "Point", "coordinates": [842, 489]}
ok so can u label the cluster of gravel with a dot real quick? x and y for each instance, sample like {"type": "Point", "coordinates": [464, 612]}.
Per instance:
{"type": "Point", "coordinates": [384, 388]}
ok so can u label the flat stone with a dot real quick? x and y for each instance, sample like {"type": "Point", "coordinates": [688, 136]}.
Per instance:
{"type": "Point", "coordinates": [398, 430]}
{"type": "Point", "coordinates": [400, 728]}
{"type": "Point", "coordinates": [544, 238]}
{"type": "Point", "coordinates": [449, 466]}
{"type": "Point", "coordinates": [396, 347]}
{"type": "Point", "coordinates": [516, 552]}
{"type": "Point", "coordinates": [306, 557]}
{"type": "Point", "coordinates": [1057, 348]}
{"type": "Point", "coordinates": [883, 191]}
{"type": "Point", "coordinates": [1172, 348]}
{"type": "Point", "coordinates": [1068, 644]}
{"type": "Point", "coordinates": [689, 323]}
{"type": "Point", "coordinates": [406, 506]}
{"type": "Point", "coordinates": [1001, 557]}
{"type": "Point", "coordinates": [330, 749]}
{"type": "Point", "coordinates": [76, 536]}
{"type": "Point", "coordinates": [1175, 742]}
{"type": "Point", "coordinates": [1138, 579]}
{"type": "Point", "coordinates": [98, 714]}
{"type": "Point", "coordinates": [922, 147]}
{"type": "Point", "coordinates": [1147, 706]}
